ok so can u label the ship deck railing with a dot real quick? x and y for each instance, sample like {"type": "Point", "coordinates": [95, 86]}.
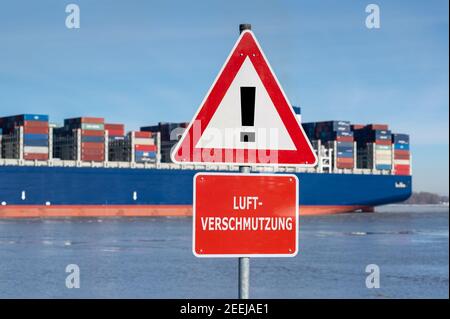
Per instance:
{"type": "Point", "coordinates": [210, 167]}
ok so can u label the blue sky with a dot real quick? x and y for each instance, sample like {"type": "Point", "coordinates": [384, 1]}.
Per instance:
{"type": "Point", "coordinates": [141, 62]}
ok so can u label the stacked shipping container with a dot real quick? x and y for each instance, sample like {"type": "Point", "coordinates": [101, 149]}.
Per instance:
{"type": "Point", "coordinates": [402, 156]}
{"type": "Point", "coordinates": [92, 137]}
{"type": "Point", "coordinates": [336, 135]}
{"type": "Point", "coordinates": [115, 131]}
{"type": "Point", "coordinates": [83, 139]}
{"type": "Point", "coordinates": [374, 146]}
{"type": "Point", "coordinates": [144, 147]}
{"type": "Point", "coordinates": [117, 146]}
{"type": "Point", "coordinates": [32, 130]}
{"type": "Point", "coordinates": [170, 134]}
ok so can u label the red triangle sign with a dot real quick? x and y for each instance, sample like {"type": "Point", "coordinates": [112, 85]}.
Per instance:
{"type": "Point", "coordinates": [245, 119]}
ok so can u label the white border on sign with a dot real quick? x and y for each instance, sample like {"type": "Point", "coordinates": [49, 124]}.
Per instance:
{"type": "Point", "coordinates": [245, 255]}
{"type": "Point", "coordinates": [177, 147]}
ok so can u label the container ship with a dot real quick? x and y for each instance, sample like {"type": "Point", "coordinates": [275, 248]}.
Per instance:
{"type": "Point", "coordinates": [87, 167]}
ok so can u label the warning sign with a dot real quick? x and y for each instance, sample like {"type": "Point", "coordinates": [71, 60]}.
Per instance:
{"type": "Point", "coordinates": [245, 215]}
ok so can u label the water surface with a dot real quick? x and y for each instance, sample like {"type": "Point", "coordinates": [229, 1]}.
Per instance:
{"type": "Point", "coordinates": [152, 258]}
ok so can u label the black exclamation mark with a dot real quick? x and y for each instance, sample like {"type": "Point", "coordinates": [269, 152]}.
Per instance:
{"type": "Point", "coordinates": [248, 111]}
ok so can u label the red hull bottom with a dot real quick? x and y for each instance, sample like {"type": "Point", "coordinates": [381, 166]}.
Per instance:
{"type": "Point", "coordinates": [21, 211]}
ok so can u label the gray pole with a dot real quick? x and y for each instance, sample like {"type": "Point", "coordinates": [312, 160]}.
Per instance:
{"type": "Point", "coordinates": [244, 262]}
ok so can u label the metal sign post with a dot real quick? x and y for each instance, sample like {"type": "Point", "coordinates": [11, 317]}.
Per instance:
{"type": "Point", "coordinates": [244, 262]}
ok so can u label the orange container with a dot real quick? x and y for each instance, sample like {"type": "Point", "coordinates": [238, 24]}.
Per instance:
{"type": "Point", "coordinates": [115, 132]}
{"type": "Point", "coordinates": [35, 124]}
{"type": "Point", "coordinates": [92, 133]}
{"type": "Point", "coordinates": [346, 160]}
{"type": "Point", "coordinates": [145, 148]}
{"type": "Point", "coordinates": [401, 156]}
{"type": "Point", "coordinates": [357, 126]}
{"type": "Point", "coordinates": [345, 165]}
{"type": "Point", "coordinates": [35, 156]}
{"type": "Point", "coordinates": [115, 127]}
{"type": "Point", "coordinates": [35, 130]}
{"type": "Point", "coordinates": [402, 169]}
{"type": "Point", "coordinates": [383, 142]}
{"type": "Point", "coordinates": [92, 146]}
{"type": "Point", "coordinates": [381, 127]}
{"type": "Point", "coordinates": [142, 134]}
{"type": "Point", "coordinates": [344, 139]}
{"type": "Point", "coordinates": [94, 158]}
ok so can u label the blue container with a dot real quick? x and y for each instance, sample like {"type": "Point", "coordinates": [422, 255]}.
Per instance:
{"type": "Point", "coordinates": [370, 136]}
{"type": "Point", "coordinates": [297, 110]}
{"type": "Point", "coordinates": [345, 149]}
{"type": "Point", "coordinates": [383, 167]}
{"type": "Point", "coordinates": [35, 142]}
{"type": "Point", "coordinates": [404, 147]}
{"type": "Point", "coordinates": [116, 138]}
{"type": "Point", "coordinates": [344, 155]}
{"type": "Point", "coordinates": [92, 139]}
{"type": "Point", "coordinates": [144, 154]}
{"type": "Point", "coordinates": [344, 133]}
{"type": "Point", "coordinates": [333, 126]}
{"type": "Point", "coordinates": [400, 138]}
{"type": "Point", "coordinates": [35, 117]}
{"type": "Point", "coordinates": [35, 136]}
{"type": "Point", "coordinates": [344, 144]}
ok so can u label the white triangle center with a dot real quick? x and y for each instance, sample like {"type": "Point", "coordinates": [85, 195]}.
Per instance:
{"type": "Point", "coordinates": [225, 129]}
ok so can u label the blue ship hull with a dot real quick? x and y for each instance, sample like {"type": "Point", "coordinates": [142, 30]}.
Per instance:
{"type": "Point", "coordinates": [25, 186]}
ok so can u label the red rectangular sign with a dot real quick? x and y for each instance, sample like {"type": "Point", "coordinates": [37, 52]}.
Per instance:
{"type": "Point", "coordinates": [245, 215]}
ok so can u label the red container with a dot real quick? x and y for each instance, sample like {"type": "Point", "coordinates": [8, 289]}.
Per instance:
{"type": "Point", "coordinates": [93, 120]}
{"type": "Point", "coordinates": [402, 169]}
{"type": "Point", "coordinates": [404, 173]}
{"type": "Point", "coordinates": [401, 152]}
{"type": "Point", "coordinates": [93, 155]}
{"type": "Point", "coordinates": [115, 132]}
{"type": "Point", "coordinates": [344, 139]}
{"type": "Point", "coordinates": [401, 156]}
{"type": "Point", "coordinates": [344, 160]}
{"type": "Point", "coordinates": [35, 124]}
{"type": "Point", "coordinates": [381, 127]}
{"type": "Point", "coordinates": [93, 158]}
{"type": "Point", "coordinates": [92, 133]}
{"type": "Point", "coordinates": [35, 130]}
{"type": "Point", "coordinates": [383, 142]}
{"type": "Point", "coordinates": [357, 126]}
{"type": "Point", "coordinates": [114, 127]}
{"type": "Point", "coordinates": [345, 165]}
{"type": "Point", "coordinates": [142, 134]}
{"type": "Point", "coordinates": [92, 145]}
{"type": "Point", "coordinates": [92, 151]}
{"type": "Point", "coordinates": [145, 148]}
{"type": "Point", "coordinates": [35, 156]}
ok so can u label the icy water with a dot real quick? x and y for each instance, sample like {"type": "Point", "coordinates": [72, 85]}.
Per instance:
{"type": "Point", "coordinates": [152, 258]}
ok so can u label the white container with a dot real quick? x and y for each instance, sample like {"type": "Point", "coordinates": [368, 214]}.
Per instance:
{"type": "Point", "coordinates": [144, 141]}
{"type": "Point", "coordinates": [402, 162]}
{"type": "Point", "coordinates": [35, 149]}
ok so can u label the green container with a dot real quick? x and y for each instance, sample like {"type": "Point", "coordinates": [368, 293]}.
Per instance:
{"type": "Point", "coordinates": [383, 147]}
{"type": "Point", "coordinates": [93, 126]}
